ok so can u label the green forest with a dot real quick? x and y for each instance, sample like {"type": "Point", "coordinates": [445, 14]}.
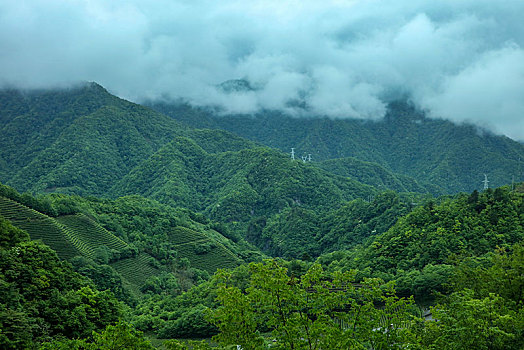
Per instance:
{"type": "Point", "coordinates": [126, 226]}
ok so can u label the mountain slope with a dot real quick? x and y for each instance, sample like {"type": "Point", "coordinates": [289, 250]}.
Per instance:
{"type": "Point", "coordinates": [420, 249]}
{"type": "Point", "coordinates": [83, 140]}
{"type": "Point", "coordinates": [79, 140]}
{"type": "Point", "coordinates": [453, 157]}
{"type": "Point", "coordinates": [235, 186]}
{"type": "Point", "coordinates": [377, 176]}
{"type": "Point", "coordinates": [92, 229]}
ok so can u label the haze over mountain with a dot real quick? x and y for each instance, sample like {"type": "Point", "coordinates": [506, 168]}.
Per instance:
{"type": "Point", "coordinates": [443, 157]}
{"type": "Point", "coordinates": [463, 61]}
{"type": "Point", "coordinates": [85, 141]}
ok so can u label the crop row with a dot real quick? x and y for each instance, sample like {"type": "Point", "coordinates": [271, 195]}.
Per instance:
{"type": "Point", "coordinates": [90, 232]}
{"type": "Point", "coordinates": [15, 211]}
{"type": "Point", "coordinates": [181, 235]}
{"type": "Point", "coordinates": [218, 257]}
{"type": "Point", "coordinates": [39, 227]}
{"type": "Point", "coordinates": [135, 270]}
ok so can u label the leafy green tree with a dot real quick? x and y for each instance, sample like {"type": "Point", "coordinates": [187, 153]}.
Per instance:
{"type": "Point", "coordinates": [41, 297]}
{"type": "Point", "coordinates": [466, 322]}
{"type": "Point", "coordinates": [10, 235]}
{"type": "Point", "coordinates": [315, 311]}
{"type": "Point", "coordinates": [485, 309]}
{"type": "Point", "coordinates": [114, 337]}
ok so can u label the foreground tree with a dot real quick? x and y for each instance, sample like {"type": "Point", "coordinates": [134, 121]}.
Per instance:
{"type": "Point", "coordinates": [486, 308]}
{"type": "Point", "coordinates": [114, 337]}
{"type": "Point", "coordinates": [315, 311]}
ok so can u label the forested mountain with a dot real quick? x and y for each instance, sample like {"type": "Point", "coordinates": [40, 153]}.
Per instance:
{"type": "Point", "coordinates": [235, 185]}
{"type": "Point", "coordinates": [378, 176]}
{"type": "Point", "coordinates": [450, 156]}
{"type": "Point", "coordinates": [143, 209]}
{"type": "Point", "coordinates": [79, 140]}
{"type": "Point", "coordinates": [112, 148]}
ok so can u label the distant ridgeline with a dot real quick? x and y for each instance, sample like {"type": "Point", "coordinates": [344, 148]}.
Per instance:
{"type": "Point", "coordinates": [441, 156]}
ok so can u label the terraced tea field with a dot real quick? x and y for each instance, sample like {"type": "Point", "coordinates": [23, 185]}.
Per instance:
{"type": "Point", "coordinates": [90, 234]}
{"type": "Point", "coordinates": [136, 270]}
{"type": "Point", "coordinates": [41, 227]}
{"type": "Point", "coordinates": [203, 252]}
{"type": "Point", "coordinates": [73, 235]}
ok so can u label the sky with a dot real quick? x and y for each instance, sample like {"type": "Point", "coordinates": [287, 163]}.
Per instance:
{"type": "Point", "coordinates": [461, 60]}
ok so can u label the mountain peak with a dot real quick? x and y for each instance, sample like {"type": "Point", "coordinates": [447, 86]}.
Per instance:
{"type": "Point", "coordinates": [235, 85]}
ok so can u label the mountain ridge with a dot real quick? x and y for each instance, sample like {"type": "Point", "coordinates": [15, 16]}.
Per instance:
{"type": "Point", "coordinates": [406, 142]}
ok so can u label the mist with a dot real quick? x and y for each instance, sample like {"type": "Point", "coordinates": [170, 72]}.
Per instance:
{"type": "Point", "coordinates": [460, 60]}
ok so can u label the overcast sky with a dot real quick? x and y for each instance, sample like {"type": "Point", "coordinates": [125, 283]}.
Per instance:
{"type": "Point", "coordinates": [461, 59]}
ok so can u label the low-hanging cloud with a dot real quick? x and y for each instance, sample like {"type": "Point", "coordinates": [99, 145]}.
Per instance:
{"type": "Point", "coordinates": [462, 60]}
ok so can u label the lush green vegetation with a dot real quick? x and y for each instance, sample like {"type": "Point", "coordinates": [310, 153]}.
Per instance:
{"type": "Point", "coordinates": [41, 297]}
{"type": "Point", "coordinates": [129, 241]}
{"type": "Point", "coordinates": [235, 186]}
{"type": "Point", "coordinates": [363, 237]}
{"type": "Point", "coordinates": [443, 157]}
{"type": "Point", "coordinates": [269, 307]}
{"type": "Point", "coordinates": [78, 140]}
{"type": "Point", "coordinates": [306, 233]}
{"type": "Point", "coordinates": [421, 249]}
{"type": "Point", "coordinates": [376, 175]}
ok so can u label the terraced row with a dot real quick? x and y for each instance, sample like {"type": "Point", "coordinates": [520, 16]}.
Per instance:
{"type": "Point", "coordinates": [217, 257]}
{"type": "Point", "coordinates": [136, 270]}
{"type": "Point", "coordinates": [183, 235]}
{"type": "Point", "coordinates": [187, 240]}
{"type": "Point", "coordinates": [90, 232]}
{"type": "Point", "coordinates": [40, 227]}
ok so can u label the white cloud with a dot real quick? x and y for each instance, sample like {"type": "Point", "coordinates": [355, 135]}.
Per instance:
{"type": "Point", "coordinates": [461, 59]}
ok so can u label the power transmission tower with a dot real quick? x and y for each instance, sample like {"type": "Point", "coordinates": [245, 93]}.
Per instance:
{"type": "Point", "coordinates": [486, 182]}
{"type": "Point", "coordinates": [304, 158]}
{"type": "Point", "coordinates": [309, 157]}
{"type": "Point", "coordinates": [292, 154]}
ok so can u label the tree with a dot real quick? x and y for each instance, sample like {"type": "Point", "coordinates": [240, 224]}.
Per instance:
{"type": "Point", "coordinates": [114, 337]}
{"type": "Point", "coordinates": [315, 311]}
{"type": "Point", "coordinates": [466, 322]}
{"type": "Point", "coordinates": [485, 309]}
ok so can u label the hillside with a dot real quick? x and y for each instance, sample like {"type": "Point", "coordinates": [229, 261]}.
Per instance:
{"type": "Point", "coordinates": [235, 186]}
{"type": "Point", "coordinates": [431, 151]}
{"type": "Point", "coordinates": [306, 233]}
{"type": "Point", "coordinates": [83, 140]}
{"type": "Point", "coordinates": [421, 249]}
{"type": "Point", "coordinates": [43, 298]}
{"type": "Point", "coordinates": [78, 140]}
{"type": "Point", "coordinates": [78, 230]}
{"type": "Point", "coordinates": [377, 176]}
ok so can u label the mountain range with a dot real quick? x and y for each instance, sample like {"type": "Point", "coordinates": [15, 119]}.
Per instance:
{"type": "Point", "coordinates": [441, 156]}
{"type": "Point", "coordinates": [146, 202]}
